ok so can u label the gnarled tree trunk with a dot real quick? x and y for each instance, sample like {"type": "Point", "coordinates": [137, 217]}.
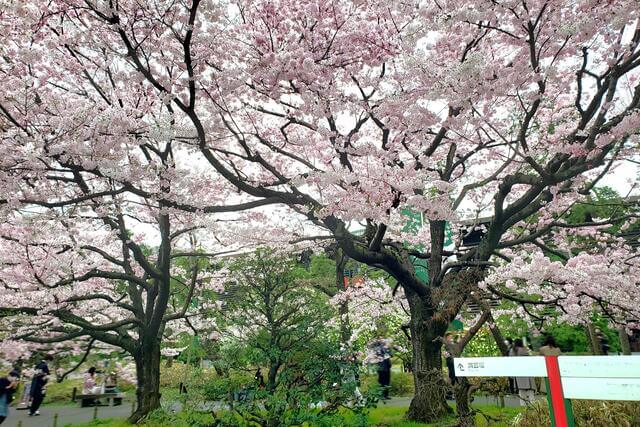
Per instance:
{"type": "Point", "coordinates": [147, 361]}
{"type": "Point", "coordinates": [429, 401]}
{"type": "Point", "coordinates": [462, 391]}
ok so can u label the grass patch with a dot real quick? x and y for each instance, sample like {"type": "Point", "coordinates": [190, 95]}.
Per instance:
{"type": "Point", "coordinates": [388, 416]}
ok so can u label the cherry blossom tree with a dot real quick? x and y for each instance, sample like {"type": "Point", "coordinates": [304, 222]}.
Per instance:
{"type": "Point", "coordinates": [103, 217]}
{"type": "Point", "coordinates": [352, 112]}
{"type": "Point", "coordinates": [85, 272]}
{"type": "Point", "coordinates": [358, 112]}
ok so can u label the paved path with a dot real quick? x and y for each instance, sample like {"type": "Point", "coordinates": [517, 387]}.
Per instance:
{"type": "Point", "coordinates": [74, 414]}
{"type": "Point", "coordinates": [66, 415]}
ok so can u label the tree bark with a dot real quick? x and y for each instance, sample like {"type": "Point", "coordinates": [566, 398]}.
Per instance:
{"type": "Point", "coordinates": [147, 362]}
{"type": "Point", "coordinates": [429, 401]}
{"type": "Point", "coordinates": [462, 392]}
{"type": "Point", "coordinates": [274, 366]}
{"type": "Point", "coordinates": [343, 308]}
{"type": "Point", "coordinates": [594, 342]}
{"type": "Point", "coordinates": [625, 345]}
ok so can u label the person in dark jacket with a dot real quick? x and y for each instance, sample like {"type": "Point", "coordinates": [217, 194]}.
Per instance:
{"type": "Point", "coordinates": [8, 386]}
{"type": "Point", "coordinates": [381, 349]}
{"type": "Point", "coordinates": [38, 383]}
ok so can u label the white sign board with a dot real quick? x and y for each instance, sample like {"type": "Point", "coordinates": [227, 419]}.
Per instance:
{"type": "Point", "coordinates": [583, 377]}
{"type": "Point", "coordinates": [533, 366]}
{"type": "Point", "coordinates": [601, 388]}
{"type": "Point", "coordinates": [599, 366]}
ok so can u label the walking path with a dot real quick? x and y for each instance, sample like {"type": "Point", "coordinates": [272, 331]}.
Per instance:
{"type": "Point", "coordinates": [74, 414]}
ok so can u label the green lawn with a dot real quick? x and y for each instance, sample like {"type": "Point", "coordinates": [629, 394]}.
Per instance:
{"type": "Point", "coordinates": [394, 417]}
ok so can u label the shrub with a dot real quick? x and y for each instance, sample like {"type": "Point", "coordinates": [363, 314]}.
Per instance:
{"type": "Point", "coordinates": [401, 384]}
{"type": "Point", "coordinates": [498, 386]}
{"type": "Point", "coordinates": [221, 387]}
{"type": "Point", "coordinates": [171, 377]}
{"type": "Point", "coordinates": [185, 418]}
{"type": "Point", "coordinates": [588, 413]}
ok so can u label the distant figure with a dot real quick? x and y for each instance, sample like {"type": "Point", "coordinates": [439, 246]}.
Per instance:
{"type": "Point", "coordinates": [549, 348]}
{"type": "Point", "coordinates": [513, 388]}
{"type": "Point", "coordinates": [111, 384]}
{"type": "Point", "coordinates": [38, 385]}
{"type": "Point", "coordinates": [526, 385]}
{"type": "Point", "coordinates": [603, 340]}
{"type": "Point", "coordinates": [8, 386]}
{"type": "Point", "coordinates": [259, 379]}
{"type": "Point", "coordinates": [90, 386]}
{"type": "Point", "coordinates": [381, 348]}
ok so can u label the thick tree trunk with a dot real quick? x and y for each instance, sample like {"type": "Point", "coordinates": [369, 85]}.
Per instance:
{"type": "Point", "coordinates": [429, 401]}
{"type": "Point", "coordinates": [274, 366]}
{"type": "Point", "coordinates": [148, 379]}
{"type": "Point", "coordinates": [343, 308]}
{"type": "Point", "coordinates": [461, 391]}
{"type": "Point", "coordinates": [625, 345]}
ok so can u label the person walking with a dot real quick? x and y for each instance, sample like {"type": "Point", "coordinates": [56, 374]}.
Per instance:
{"type": "Point", "coordinates": [526, 385]}
{"type": "Point", "coordinates": [8, 386]}
{"type": "Point", "coordinates": [38, 385]}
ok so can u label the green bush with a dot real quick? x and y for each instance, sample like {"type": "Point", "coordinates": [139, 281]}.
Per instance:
{"type": "Point", "coordinates": [496, 386]}
{"type": "Point", "coordinates": [220, 388]}
{"type": "Point", "coordinates": [588, 413]}
{"type": "Point", "coordinates": [401, 383]}
{"type": "Point", "coordinates": [182, 373]}
{"type": "Point", "coordinates": [184, 418]}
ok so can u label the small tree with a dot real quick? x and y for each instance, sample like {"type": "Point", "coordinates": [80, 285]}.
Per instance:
{"type": "Point", "coordinates": [268, 310]}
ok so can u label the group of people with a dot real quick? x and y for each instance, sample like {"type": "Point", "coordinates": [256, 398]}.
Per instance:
{"type": "Point", "coordinates": [91, 386]}
{"type": "Point", "coordinates": [526, 387]}
{"type": "Point", "coordinates": [37, 389]}
{"type": "Point", "coordinates": [9, 385]}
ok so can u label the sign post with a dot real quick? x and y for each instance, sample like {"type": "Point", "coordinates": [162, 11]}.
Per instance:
{"type": "Point", "coordinates": [567, 377]}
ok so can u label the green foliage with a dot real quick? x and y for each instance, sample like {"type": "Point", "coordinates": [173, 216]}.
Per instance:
{"type": "Point", "coordinates": [483, 344]}
{"type": "Point", "coordinates": [401, 383]}
{"type": "Point", "coordinates": [311, 390]}
{"type": "Point", "coordinates": [569, 338]}
{"type": "Point", "coordinates": [588, 413]}
{"type": "Point", "coordinates": [185, 418]}
{"type": "Point", "coordinates": [222, 388]}
{"type": "Point", "coordinates": [190, 375]}
{"type": "Point", "coordinates": [496, 386]}
{"type": "Point", "coordinates": [383, 416]}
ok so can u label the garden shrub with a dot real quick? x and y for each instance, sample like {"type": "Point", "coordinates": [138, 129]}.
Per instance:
{"type": "Point", "coordinates": [490, 386]}
{"type": "Point", "coordinates": [188, 417]}
{"type": "Point", "coordinates": [401, 384]}
{"type": "Point", "coordinates": [221, 388]}
{"type": "Point", "coordinates": [588, 413]}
